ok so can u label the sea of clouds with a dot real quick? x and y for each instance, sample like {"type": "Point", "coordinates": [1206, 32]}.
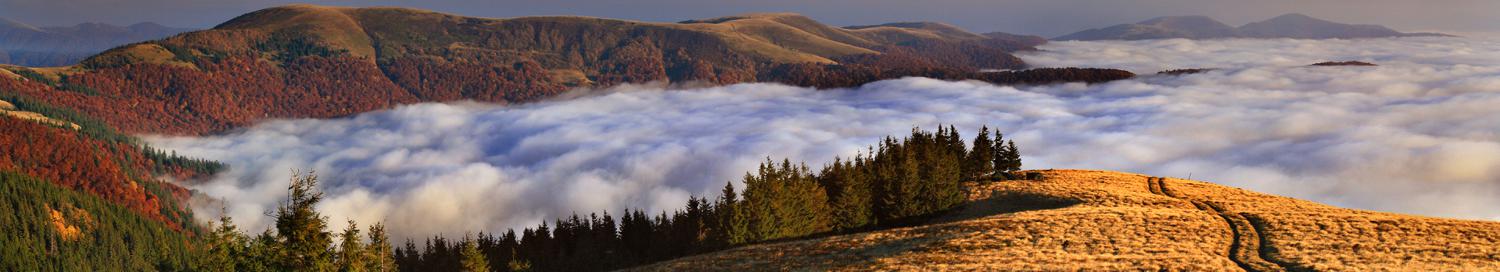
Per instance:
{"type": "Point", "coordinates": [1419, 134]}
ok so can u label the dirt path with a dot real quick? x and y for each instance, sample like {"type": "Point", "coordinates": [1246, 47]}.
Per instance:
{"type": "Point", "coordinates": [1247, 249]}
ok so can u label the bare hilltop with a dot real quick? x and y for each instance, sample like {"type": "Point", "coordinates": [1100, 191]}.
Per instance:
{"type": "Point", "coordinates": [1102, 220]}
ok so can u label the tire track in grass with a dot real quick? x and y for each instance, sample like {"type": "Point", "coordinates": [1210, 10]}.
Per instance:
{"type": "Point", "coordinates": [1248, 249]}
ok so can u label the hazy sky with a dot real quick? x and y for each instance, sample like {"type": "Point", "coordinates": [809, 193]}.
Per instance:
{"type": "Point", "coordinates": [1044, 17]}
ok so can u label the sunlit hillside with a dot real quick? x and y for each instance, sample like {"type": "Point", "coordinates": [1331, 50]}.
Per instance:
{"type": "Point", "coordinates": [1100, 220]}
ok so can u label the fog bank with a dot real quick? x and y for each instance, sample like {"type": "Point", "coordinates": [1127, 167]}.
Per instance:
{"type": "Point", "coordinates": [1415, 135]}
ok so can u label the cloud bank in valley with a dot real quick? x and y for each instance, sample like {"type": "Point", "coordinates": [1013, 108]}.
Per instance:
{"type": "Point", "coordinates": [1415, 135]}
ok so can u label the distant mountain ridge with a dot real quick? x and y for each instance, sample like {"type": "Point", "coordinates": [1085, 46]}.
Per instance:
{"type": "Point", "coordinates": [27, 45]}
{"type": "Point", "coordinates": [1295, 26]}
{"type": "Point", "coordinates": [70, 126]}
{"type": "Point", "coordinates": [308, 61]}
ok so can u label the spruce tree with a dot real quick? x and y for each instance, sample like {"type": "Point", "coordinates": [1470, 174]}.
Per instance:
{"type": "Point", "coordinates": [381, 257]}
{"type": "Point", "coordinates": [265, 249]}
{"type": "Point", "coordinates": [849, 194]}
{"type": "Point", "coordinates": [301, 231]}
{"type": "Point", "coordinates": [808, 211]}
{"type": "Point", "coordinates": [900, 179]}
{"type": "Point", "coordinates": [954, 142]}
{"type": "Point", "coordinates": [226, 246]}
{"type": "Point", "coordinates": [943, 173]}
{"type": "Point", "coordinates": [1012, 157]}
{"type": "Point", "coordinates": [732, 224]}
{"type": "Point", "coordinates": [352, 257]}
{"type": "Point", "coordinates": [980, 162]}
{"type": "Point", "coordinates": [472, 259]}
{"type": "Point", "coordinates": [998, 161]}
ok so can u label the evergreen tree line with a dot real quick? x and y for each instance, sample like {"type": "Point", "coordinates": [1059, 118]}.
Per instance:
{"type": "Point", "coordinates": [299, 241]}
{"type": "Point", "coordinates": [898, 182]}
{"type": "Point", "coordinates": [169, 161]}
{"type": "Point", "coordinates": [48, 227]}
{"type": "Point", "coordinates": [162, 162]}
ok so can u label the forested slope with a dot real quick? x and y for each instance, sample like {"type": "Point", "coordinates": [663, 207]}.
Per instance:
{"type": "Point", "coordinates": [321, 62]}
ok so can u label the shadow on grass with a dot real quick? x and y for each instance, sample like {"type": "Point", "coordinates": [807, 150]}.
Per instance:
{"type": "Point", "coordinates": [809, 254]}
{"type": "Point", "coordinates": [998, 204]}
{"type": "Point", "coordinates": [1004, 203]}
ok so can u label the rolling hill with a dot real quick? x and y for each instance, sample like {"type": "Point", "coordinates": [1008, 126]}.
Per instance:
{"type": "Point", "coordinates": [1191, 27]}
{"type": "Point", "coordinates": [23, 44]}
{"type": "Point", "coordinates": [320, 62]}
{"type": "Point", "coordinates": [1100, 220]}
{"type": "Point", "coordinates": [1300, 26]}
{"type": "Point", "coordinates": [1294, 26]}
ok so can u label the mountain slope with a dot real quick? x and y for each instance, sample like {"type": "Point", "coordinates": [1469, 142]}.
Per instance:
{"type": "Point", "coordinates": [1099, 220]}
{"type": "Point", "coordinates": [1017, 41]}
{"type": "Point", "coordinates": [1299, 26]}
{"type": "Point", "coordinates": [28, 45]}
{"type": "Point", "coordinates": [80, 153]}
{"type": "Point", "coordinates": [1191, 27]}
{"type": "Point", "coordinates": [556, 42]}
{"type": "Point", "coordinates": [1296, 26]}
{"type": "Point", "coordinates": [54, 228]}
{"type": "Point", "coordinates": [315, 61]}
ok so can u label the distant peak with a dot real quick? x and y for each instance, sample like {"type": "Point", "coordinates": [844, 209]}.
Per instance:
{"type": "Point", "coordinates": [769, 15]}
{"type": "Point", "coordinates": [94, 25]}
{"type": "Point", "coordinates": [305, 6]}
{"type": "Point", "coordinates": [916, 25]}
{"type": "Point", "coordinates": [745, 16]}
{"type": "Point", "coordinates": [12, 24]}
{"type": "Point", "coordinates": [282, 16]}
{"type": "Point", "coordinates": [1196, 18]}
{"type": "Point", "coordinates": [146, 25]}
{"type": "Point", "coordinates": [1295, 17]}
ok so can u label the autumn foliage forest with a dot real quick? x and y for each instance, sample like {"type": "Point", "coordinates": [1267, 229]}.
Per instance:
{"type": "Point", "coordinates": [323, 62]}
{"type": "Point", "coordinates": [302, 61]}
{"type": "Point", "coordinates": [90, 199]}
{"type": "Point", "coordinates": [100, 161]}
{"type": "Point", "coordinates": [221, 94]}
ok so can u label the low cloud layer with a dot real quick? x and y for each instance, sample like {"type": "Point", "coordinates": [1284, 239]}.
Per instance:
{"type": "Point", "coordinates": [1415, 135]}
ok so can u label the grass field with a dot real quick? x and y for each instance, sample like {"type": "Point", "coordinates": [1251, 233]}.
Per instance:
{"type": "Point", "coordinates": [8, 109]}
{"type": "Point", "coordinates": [1099, 220]}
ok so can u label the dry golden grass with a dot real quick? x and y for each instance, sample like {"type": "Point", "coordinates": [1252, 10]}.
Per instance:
{"type": "Point", "coordinates": [147, 53]}
{"type": "Point", "coordinates": [773, 32]}
{"type": "Point", "coordinates": [1324, 237]}
{"type": "Point", "coordinates": [9, 110]}
{"type": "Point", "coordinates": [903, 32]}
{"type": "Point", "coordinates": [329, 26]}
{"type": "Point", "coordinates": [1099, 220]}
{"type": "Point", "coordinates": [6, 73]}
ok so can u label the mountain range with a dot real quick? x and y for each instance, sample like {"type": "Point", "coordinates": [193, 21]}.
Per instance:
{"type": "Point", "coordinates": [27, 45]}
{"type": "Point", "coordinates": [1294, 26]}
{"type": "Point", "coordinates": [318, 61]}
{"type": "Point", "coordinates": [87, 194]}
{"type": "Point", "coordinates": [71, 127]}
